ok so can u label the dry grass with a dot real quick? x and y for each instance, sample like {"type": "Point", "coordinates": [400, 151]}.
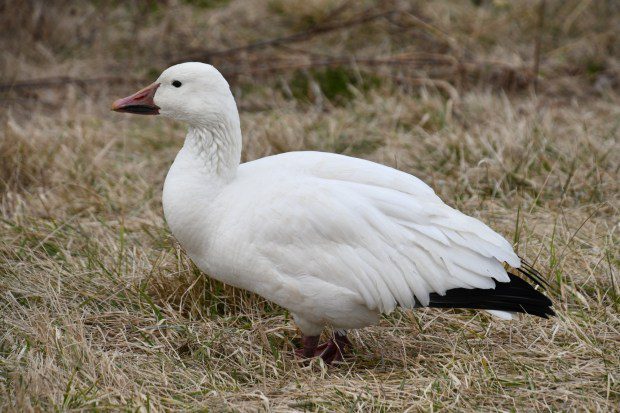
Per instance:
{"type": "Point", "coordinates": [100, 309]}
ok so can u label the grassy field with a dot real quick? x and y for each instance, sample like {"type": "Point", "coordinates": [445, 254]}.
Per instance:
{"type": "Point", "coordinates": [101, 309]}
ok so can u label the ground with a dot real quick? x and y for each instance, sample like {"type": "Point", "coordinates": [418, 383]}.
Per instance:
{"type": "Point", "coordinates": [510, 111]}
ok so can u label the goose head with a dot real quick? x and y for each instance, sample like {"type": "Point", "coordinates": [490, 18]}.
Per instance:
{"type": "Point", "coordinates": [195, 93]}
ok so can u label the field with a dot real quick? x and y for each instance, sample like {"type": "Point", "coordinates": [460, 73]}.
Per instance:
{"type": "Point", "coordinates": [509, 110]}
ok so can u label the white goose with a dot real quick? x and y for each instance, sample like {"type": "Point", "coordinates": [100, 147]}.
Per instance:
{"type": "Point", "coordinates": [334, 239]}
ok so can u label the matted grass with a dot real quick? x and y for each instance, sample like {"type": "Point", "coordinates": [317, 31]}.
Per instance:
{"type": "Point", "coordinates": [100, 309]}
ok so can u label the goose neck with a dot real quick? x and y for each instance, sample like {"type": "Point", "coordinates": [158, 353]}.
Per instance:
{"type": "Point", "coordinates": [217, 147]}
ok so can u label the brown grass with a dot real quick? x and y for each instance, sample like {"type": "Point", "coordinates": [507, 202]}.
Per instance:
{"type": "Point", "coordinates": [100, 309]}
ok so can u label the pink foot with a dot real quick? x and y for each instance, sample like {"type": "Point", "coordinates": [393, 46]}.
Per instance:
{"type": "Point", "coordinates": [331, 351]}
{"type": "Point", "coordinates": [301, 352]}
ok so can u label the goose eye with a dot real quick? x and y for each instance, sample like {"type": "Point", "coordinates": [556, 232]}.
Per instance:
{"type": "Point", "coordinates": [176, 83]}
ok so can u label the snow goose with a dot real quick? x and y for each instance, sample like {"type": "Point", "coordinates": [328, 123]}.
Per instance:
{"type": "Point", "coordinates": [336, 240]}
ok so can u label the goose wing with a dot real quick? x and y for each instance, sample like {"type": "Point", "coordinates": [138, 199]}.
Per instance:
{"type": "Point", "coordinates": [376, 231]}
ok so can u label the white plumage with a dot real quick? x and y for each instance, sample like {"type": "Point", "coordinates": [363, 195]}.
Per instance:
{"type": "Point", "coordinates": [334, 239]}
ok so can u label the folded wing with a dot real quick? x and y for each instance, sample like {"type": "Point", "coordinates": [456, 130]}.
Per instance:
{"type": "Point", "coordinates": [378, 232]}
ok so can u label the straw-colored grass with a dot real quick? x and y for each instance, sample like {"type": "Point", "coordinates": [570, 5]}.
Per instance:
{"type": "Point", "coordinates": [101, 309]}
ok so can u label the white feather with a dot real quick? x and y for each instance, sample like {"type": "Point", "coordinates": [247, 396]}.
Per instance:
{"type": "Point", "coordinates": [502, 315]}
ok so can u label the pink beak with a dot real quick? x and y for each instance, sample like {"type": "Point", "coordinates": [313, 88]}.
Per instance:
{"type": "Point", "coordinates": [140, 103]}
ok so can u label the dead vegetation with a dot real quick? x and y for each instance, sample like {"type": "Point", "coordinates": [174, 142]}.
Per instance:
{"type": "Point", "coordinates": [100, 309]}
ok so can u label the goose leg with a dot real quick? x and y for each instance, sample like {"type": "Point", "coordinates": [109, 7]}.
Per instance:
{"type": "Point", "coordinates": [330, 351]}
{"type": "Point", "coordinates": [335, 349]}
{"type": "Point", "coordinates": [310, 347]}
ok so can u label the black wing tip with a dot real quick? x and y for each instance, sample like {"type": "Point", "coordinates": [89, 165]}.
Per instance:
{"type": "Point", "coordinates": [517, 295]}
{"type": "Point", "coordinates": [540, 311]}
{"type": "Point", "coordinates": [533, 274]}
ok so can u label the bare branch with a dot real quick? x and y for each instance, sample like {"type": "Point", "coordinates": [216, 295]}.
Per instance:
{"type": "Point", "coordinates": [207, 55]}
{"type": "Point", "coordinates": [59, 81]}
